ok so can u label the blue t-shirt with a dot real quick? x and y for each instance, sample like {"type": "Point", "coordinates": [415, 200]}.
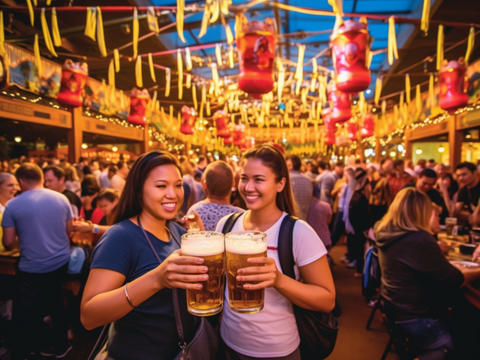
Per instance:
{"type": "Point", "coordinates": [149, 330]}
{"type": "Point", "coordinates": [39, 217]}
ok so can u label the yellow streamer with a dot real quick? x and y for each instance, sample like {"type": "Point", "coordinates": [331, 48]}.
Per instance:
{"type": "Point", "coordinates": [180, 87]}
{"type": "Point", "coordinates": [418, 100]}
{"type": "Point", "coordinates": [440, 40]}
{"type": "Point", "coordinates": [152, 68]}
{"type": "Point", "coordinates": [299, 71]}
{"type": "Point", "coordinates": [431, 92]}
{"type": "Point", "coordinates": [152, 20]}
{"type": "Point", "coordinates": [215, 11]}
{"type": "Point", "coordinates": [38, 59]}
{"type": "Point", "coordinates": [208, 109]}
{"type": "Point", "coordinates": [46, 33]}
{"type": "Point", "coordinates": [100, 35]}
{"type": "Point", "coordinates": [49, 2]}
{"type": "Point", "coordinates": [122, 100]}
{"type": "Point", "coordinates": [378, 90]}
{"type": "Point", "coordinates": [168, 74]}
{"type": "Point", "coordinates": [205, 21]}
{"type": "Point", "coordinates": [230, 57]}
{"type": "Point", "coordinates": [337, 6]}
{"type": "Point", "coordinates": [188, 83]}
{"type": "Point", "coordinates": [138, 72]}
{"type": "Point", "coordinates": [91, 24]}
{"type": "Point", "coordinates": [471, 45]}
{"type": "Point", "coordinates": [392, 41]}
{"type": "Point", "coordinates": [188, 59]}
{"type": "Point", "coordinates": [111, 74]}
{"type": "Point", "coordinates": [218, 54]}
{"type": "Point", "coordinates": [2, 36]}
{"type": "Point", "coordinates": [204, 93]}
{"type": "Point", "coordinates": [369, 59]}
{"type": "Point", "coordinates": [116, 57]}
{"type": "Point", "coordinates": [30, 12]}
{"type": "Point", "coordinates": [180, 18]}
{"type": "Point", "coordinates": [57, 39]}
{"type": "Point", "coordinates": [402, 97]}
{"type": "Point", "coordinates": [425, 21]}
{"type": "Point", "coordinates": [407, 88]}
{"type": "Point", "coordinates": [194, 96]}
{"type": "Point", "coordinates": [384, 107]}
{"type": "Point", "coordinates": [135, 32]}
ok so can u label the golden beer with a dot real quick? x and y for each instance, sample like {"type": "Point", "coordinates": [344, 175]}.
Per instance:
{"type": "Point", "coordinates": [208, 245]}
{"type": "Point", "coordinates": [241, 246]}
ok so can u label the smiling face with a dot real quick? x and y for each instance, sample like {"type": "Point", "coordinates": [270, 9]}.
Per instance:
{"type": "Point", "coordinates": [258, 185]}
{"type": "Point", "coordinates": [8, 188]}
{"type": "Point", "coordinates": [163, 192]}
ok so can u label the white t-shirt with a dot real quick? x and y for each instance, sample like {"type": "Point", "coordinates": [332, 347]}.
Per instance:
{"type": "Point", "coordinates": [273, 331]}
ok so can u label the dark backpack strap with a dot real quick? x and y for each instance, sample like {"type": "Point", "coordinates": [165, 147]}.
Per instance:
{"type": "Point", "coordinates": [285, 246]}
{"type": "Point", "coordinates": [231, 222]}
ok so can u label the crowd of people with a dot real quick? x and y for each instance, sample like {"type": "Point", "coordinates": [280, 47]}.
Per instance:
{"type": "Point", "coordinates": [49, 206]}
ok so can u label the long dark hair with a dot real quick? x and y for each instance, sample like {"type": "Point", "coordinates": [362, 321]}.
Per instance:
{"type": "Point", "coordinates": [273, 158]}
{"type": "Point", "coordinates": [131, 201]}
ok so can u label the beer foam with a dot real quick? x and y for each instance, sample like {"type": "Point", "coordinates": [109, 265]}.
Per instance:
{"type": "Point", "coordinates": [245, 247]}
{"type": "Point", "coordinates": [202, 248]}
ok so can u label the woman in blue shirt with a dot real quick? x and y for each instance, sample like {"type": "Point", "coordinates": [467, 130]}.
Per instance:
{"type": "Point", "coordinates": [127, 286]}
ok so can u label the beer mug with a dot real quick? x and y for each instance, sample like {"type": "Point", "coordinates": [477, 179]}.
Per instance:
{"type": "Point", "coordinates": [208, 245]}
{"type": "Point", "coordinates": [240, 246]}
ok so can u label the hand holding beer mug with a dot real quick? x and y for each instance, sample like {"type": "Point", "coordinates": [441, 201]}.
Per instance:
{"type": "Point", "coordinates": [208, 245]}
{"type": "Point", "coordinates": [247, 275]}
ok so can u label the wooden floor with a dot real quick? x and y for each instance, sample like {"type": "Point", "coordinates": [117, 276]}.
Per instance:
{"type": "Point", "coordinates": [354, 341]}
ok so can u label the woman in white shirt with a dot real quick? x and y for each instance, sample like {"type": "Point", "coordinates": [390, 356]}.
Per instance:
{"type": "Point", "coordinates": [272, 333]}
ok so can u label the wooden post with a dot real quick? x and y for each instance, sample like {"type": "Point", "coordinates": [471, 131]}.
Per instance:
{"type": "Point", "coordinates": [455, 138]}
{"type": "Point", "coordinates": [75, 136]}
{"type": "Point", "coordinates": [408, 145]}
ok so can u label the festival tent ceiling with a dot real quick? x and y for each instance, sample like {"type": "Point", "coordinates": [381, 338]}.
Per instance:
{"type": "Point", "coordinates": [296, 27]}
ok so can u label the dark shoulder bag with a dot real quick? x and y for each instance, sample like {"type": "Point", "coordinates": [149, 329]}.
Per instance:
{"type": "Point", "coordinates": [317, 330]}
{"type": "Point", "coordinates": [232, 219]}
{"type": "Point", "coordinates": [204, 344]}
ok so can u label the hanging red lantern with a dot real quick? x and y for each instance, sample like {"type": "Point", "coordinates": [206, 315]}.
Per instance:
{"type": "Point", "coordinates": [352, 130]}
{"type": "Point", "coordinates": [74, 77]}
{"type": "Point", "coordinates": [189, 116]}
{"type": "Point", "coordinates": [350, 45]}
{"type": "Point", "coordinates": [329, 138]}
{"type": "Point", "coordinates": [220, 118]}
{"type": "Point", "coordinates": [239, 136]}
{"type": "Point", "coordinates": [340, 110]}
{"type": "Point", "coordinates": [368, 127]}
{"type": "Point", "coordinates": [138, 106]}
{"type": "Point", "coordinates": [453, 85]}
{"type": "Point", "coordinates": [256, 54]}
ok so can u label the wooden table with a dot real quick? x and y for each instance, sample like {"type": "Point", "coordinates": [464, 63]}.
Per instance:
{"type": "Point", "coordinates": [472, 294]}
{"type": "Point", "coordinates": [9, 262]}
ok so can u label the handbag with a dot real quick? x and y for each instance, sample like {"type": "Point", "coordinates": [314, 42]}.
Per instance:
{"type": "Point", "coordinates": [317, 330]}
{"type": "Point", "coordinates": [204, 345]}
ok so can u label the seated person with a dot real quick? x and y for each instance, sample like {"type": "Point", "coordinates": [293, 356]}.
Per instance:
{"type": "Point", "coordinates": [425, 182]}
{"type": "Point", "coordinates": [217, 183]}
{"type": "Point", "coordinates": [416, 288]}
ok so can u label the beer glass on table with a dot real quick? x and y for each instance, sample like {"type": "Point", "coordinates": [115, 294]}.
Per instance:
{"type": "Point", "coordinates": [240, 246]}
{"type": "Point", "coordinates": [450, 223]}
{"type": "Point", "coordinates": [208, 245]}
